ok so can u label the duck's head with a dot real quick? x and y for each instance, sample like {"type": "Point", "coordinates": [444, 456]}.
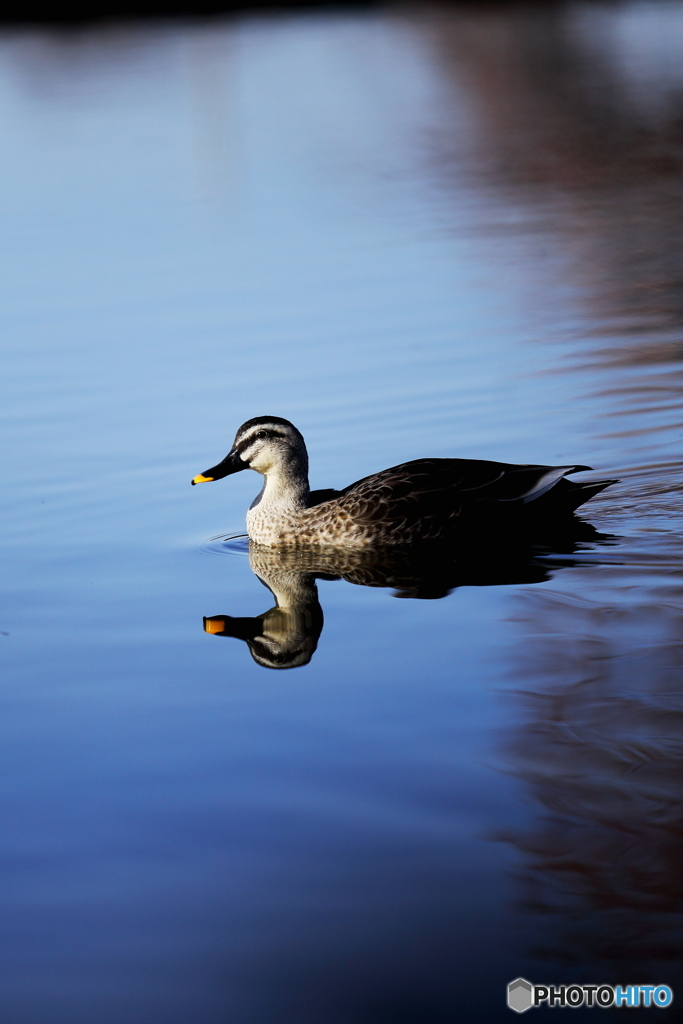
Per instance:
{"type": "Point", "coordinates": [276, 639]}
{"type": "Point", "coordinates": [266, 444]}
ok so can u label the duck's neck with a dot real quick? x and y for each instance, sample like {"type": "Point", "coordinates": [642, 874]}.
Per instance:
{"type": "Point", "coordinates": [285, 489]}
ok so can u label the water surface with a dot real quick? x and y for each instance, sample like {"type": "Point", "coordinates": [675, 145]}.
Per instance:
{"type": "Point", "coordinates": [445, 232]}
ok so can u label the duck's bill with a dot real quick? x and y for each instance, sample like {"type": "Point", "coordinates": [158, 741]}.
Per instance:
{"type": "Point", "coordinates": [239, 628]}
{"type": "Point", "coordinates": [232, 463]}
{"type": "Point", "coordinates": [214, 624]}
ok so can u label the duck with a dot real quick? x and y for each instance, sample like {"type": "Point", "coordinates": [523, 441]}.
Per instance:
{"type": "Point", "coordinates": [423, 500]}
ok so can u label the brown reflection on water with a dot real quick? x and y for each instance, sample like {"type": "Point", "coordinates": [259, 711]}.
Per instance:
{"type": "Point", "coordinates": [600, 751]}
{"type": "Point", "coordinates": [579, 127]}
{"type": "Point", "coordinates": [579, 121]}
{"type": "Point", "coordinates": [570, 99]}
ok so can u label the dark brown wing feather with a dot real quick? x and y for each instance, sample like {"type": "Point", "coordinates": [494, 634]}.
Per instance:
{"type": "Point", "coordinates": [440, 489]}
{"type": "Point", "coordinates": [320, 496]}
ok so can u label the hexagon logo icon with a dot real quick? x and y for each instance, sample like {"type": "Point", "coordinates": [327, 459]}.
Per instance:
{"type": "Point", "coordinates": [520, 995]}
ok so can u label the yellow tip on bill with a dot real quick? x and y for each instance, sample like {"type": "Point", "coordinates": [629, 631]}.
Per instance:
{"type": "Point", "coordinates": [202, 479]}
{"type": "Point", "coordinates": [214, 625]}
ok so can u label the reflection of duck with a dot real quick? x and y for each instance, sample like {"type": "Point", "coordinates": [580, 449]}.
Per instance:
{"type": "Point", "coordinates": [287, 635]}
{"type": "Point", "coordinates": [419, 500]}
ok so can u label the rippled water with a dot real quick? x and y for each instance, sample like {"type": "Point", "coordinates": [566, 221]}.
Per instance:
{"type": "Point", "coordinates": [413, 232]}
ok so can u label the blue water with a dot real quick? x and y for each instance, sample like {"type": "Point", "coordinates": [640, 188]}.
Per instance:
{"type": "Point", "coordinates": [448, 232]}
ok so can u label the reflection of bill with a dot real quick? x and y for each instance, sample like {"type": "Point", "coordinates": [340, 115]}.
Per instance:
{"type": "Point", "coordinates": [286, 635]}
{"type": "Point", "coordinates": [522, 995]}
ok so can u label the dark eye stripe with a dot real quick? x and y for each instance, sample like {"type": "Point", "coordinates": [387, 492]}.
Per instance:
{"type": "Point", "coordinates": [258, 435]}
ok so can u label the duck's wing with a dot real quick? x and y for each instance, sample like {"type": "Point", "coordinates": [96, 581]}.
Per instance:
{"type": "Point", "coordinates": [322, 495]}
{"type": "Point", "coordinates": [441, 488]}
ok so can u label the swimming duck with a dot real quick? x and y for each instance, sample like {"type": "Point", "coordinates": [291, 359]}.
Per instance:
{"type": "Point", "coordinates": [421, 500]}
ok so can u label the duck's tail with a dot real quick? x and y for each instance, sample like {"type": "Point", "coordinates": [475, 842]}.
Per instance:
{"type": "Point", "coordinates": [567, 496]}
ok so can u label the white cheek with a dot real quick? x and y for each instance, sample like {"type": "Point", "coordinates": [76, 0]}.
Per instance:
{"type": "Point", "coordinates": [260, 462]}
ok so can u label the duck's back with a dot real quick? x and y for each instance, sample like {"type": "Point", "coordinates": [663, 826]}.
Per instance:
{"type": "Point", "coordinates": [425, 496]}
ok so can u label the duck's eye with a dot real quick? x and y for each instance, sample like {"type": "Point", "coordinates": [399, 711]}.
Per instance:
{"type": "Point", "coordinates": [261, 434]}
